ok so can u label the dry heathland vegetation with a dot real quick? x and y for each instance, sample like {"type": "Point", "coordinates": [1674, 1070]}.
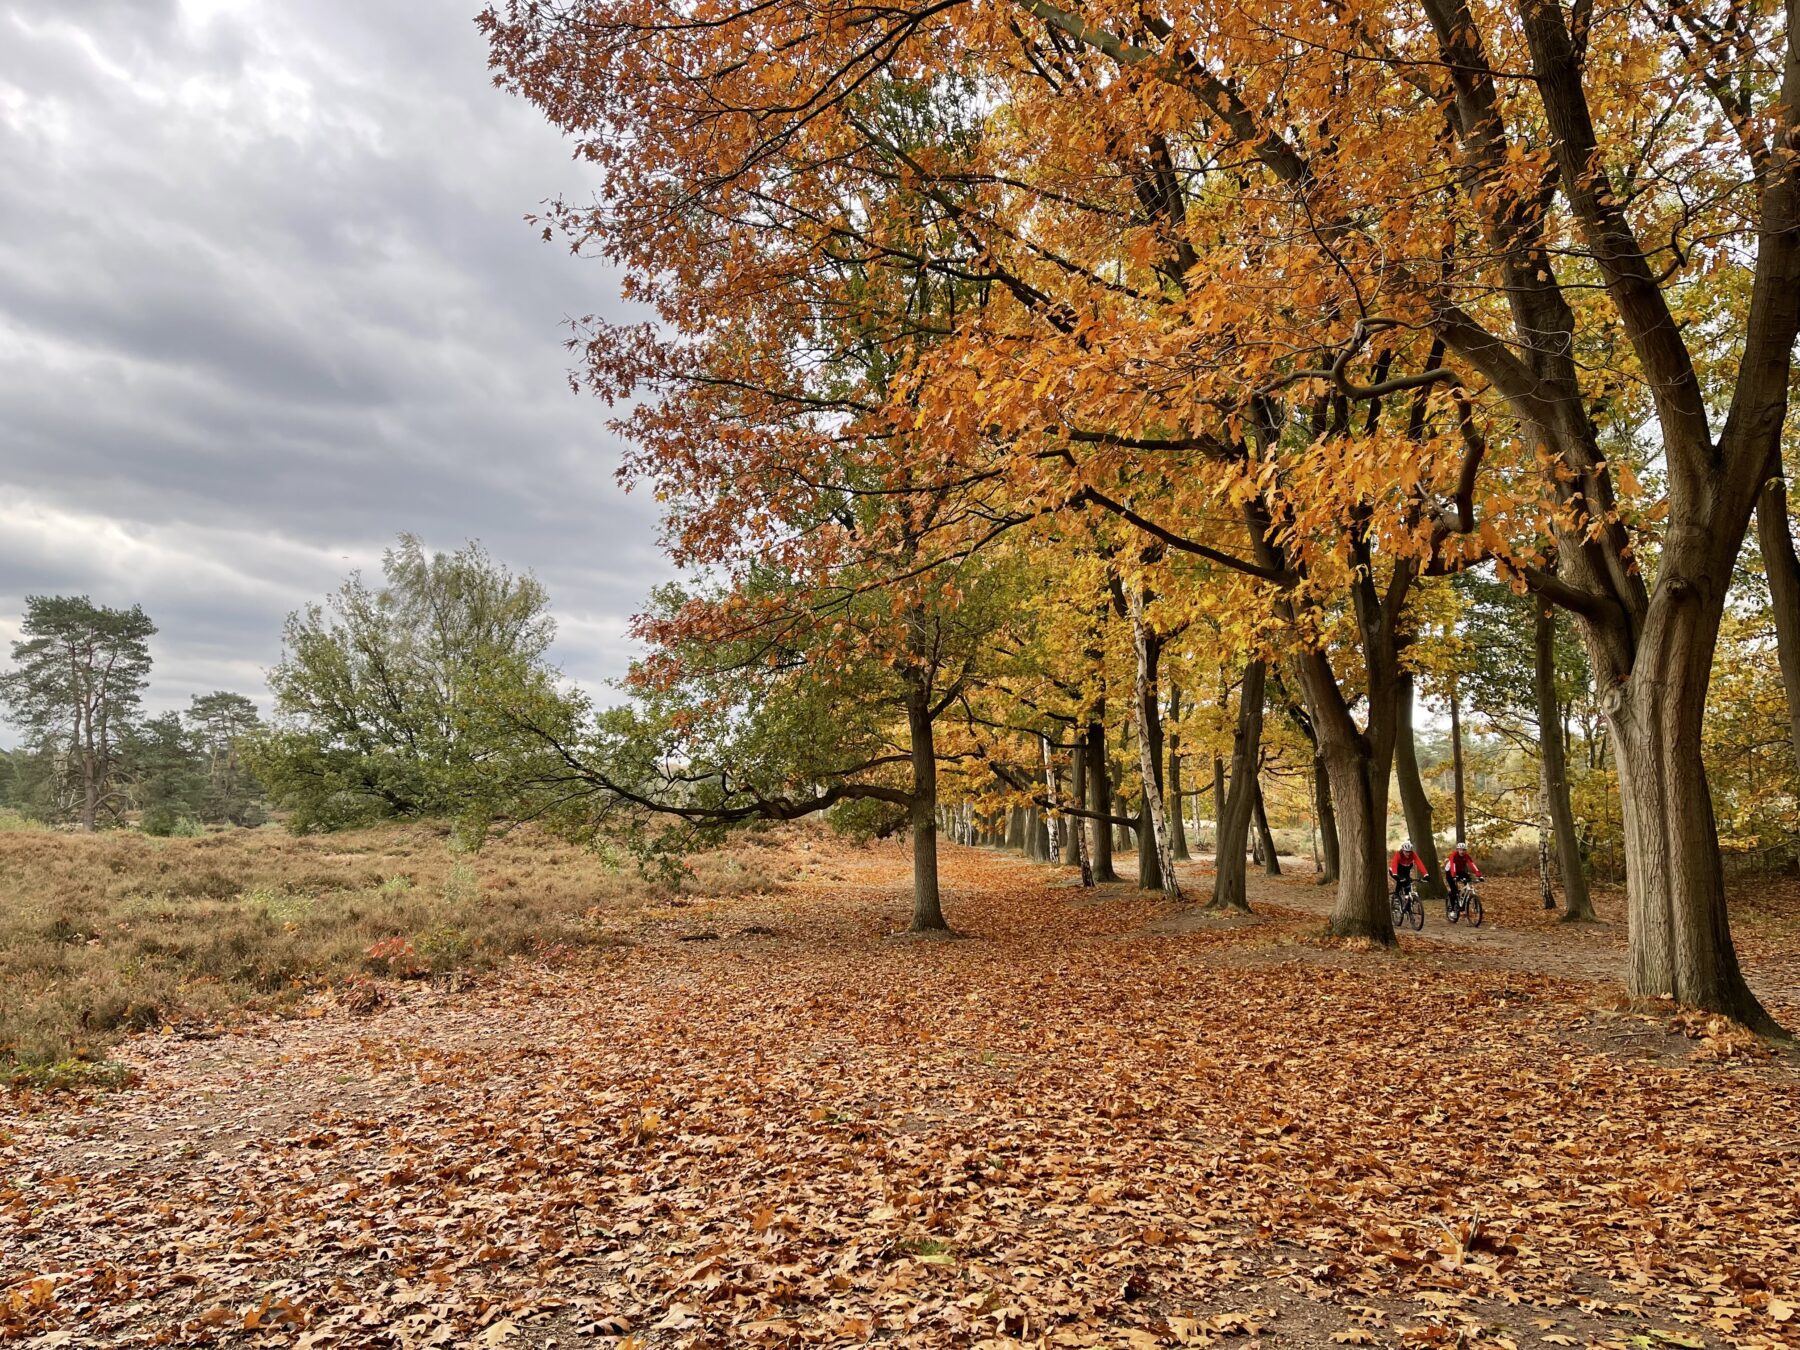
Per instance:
{"type": "Point", "coordinates": [748, 1117]}
{"type": "Point", "coordinates": [108, 933]}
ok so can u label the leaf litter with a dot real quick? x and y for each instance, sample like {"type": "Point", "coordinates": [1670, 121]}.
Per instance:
{"type": "Point", "coordinates": [1074, 1131]}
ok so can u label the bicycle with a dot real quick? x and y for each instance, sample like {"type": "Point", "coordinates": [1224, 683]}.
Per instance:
{"type": "Point", "coordinates": [1407, 906]}
{"type": "Point", "coordinates": [1464, 902]}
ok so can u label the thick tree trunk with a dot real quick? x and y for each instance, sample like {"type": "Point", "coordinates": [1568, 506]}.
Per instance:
{"type": "Point", "coordinates": [1100, 802]}
{"type": "Point", "coordinates": [1459, 797]}
{"type": "Point", "coordinates": [1413, 800]}
{"type": "Point", "coordinates": [1358, 762]}
{"type": "Point", "coordinates": [1148, 877]}
{"type": "Point", "coordinates": [1041, 843]}
{"type": "Point", "coordinates": [1015, 829]}
{"type": "Point", "coordinates": [1775, 537]}
{"type": "Point", "coordinates": [1680, 938]}
{"type": "Point", "coordinates": [1271, 860]}
{"type": "Point", "coordinates": [1360, 809]}
{"type": "Point", "coordinates": [1149, 738]}
{"type": "Point", "coordinates": [1328, 831]}
{"type": "Point", "coordinates": [1233, 819]}
{"type": "Point", "coordinates": [927, 908]}
{"type": "Point", "coordinates": [1556, 767]}
{"type": "Point", "coordinates": [1177, 810]}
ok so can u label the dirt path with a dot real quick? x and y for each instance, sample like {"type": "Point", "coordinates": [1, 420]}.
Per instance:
{"type": "Point", "coordinates": [1074, 1129]}
{"type": "Point", "coordinates": [1516, 933]}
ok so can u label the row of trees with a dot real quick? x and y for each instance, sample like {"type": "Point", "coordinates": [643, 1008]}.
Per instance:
{"type": "Point", "coordinates": [389, 703]}
{"type": "Point", "coordinates": [89, 754]}
{"type": "Point", "coordinates": [1020, 369]}
{"type": "Point", "coordinates": [1216, 337]}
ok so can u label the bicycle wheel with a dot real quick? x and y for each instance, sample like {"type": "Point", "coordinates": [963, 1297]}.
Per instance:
{"type": "Point", "coordinates": [1398, 905]}
{"type": "Point", "coordinates": [1473, 909]}
{"type": "Point", "coordinates": [1451, 911]}
{"type": "Point", "coordinates": [1418, 913]}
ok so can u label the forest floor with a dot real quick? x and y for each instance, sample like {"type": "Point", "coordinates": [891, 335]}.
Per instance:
{"type": "Point", "coordinates": [1098, 1121]}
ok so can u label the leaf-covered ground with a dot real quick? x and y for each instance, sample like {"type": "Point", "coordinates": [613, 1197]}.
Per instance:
{"type": "Point", "coordinates": [1094, 1123]}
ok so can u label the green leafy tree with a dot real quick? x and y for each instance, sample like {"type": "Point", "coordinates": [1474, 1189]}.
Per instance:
{"type": "Point", "coordinates": [777, 698]}
{"type": "Point", "coordinates": [164, 773]}
{"type": "Point", "coordinates": [78, 679]}
{"type": "Point", "coordinates": [222, 724]}
{"type": "Point", "coordinates": [390, 701]}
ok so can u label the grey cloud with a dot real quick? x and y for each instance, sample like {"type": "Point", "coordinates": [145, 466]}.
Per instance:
{"type": "Point", "coordinates": [266, 299]}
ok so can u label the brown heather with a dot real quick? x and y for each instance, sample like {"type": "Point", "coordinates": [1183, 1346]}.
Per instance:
{"type": "Point", "coordinates": [105, 934]}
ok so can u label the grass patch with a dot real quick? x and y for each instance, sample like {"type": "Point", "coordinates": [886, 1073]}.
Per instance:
{"type": "Point", "coordinates": [926, 1248]}
{"type": "Point", "coordinates": [102, 935]}
{"type": "Point", "coordinates": [66, 1075]}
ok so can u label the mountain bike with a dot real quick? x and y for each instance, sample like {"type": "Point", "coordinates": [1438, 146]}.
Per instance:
{"type": "Point", "coordinates": [1407, 906]}
{"type": "Point", "coordinates": [1464, 902]}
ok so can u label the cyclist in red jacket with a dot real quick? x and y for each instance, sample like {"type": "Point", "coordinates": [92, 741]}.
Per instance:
{"type": "Point", "coordinates": [1400, 866]}
{"type": "Point", "coordinates": [1459, 866]}
{"type": "Point", "coordinates": [1459, 869]}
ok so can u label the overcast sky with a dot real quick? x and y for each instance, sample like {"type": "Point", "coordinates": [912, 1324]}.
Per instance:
{"type": "Point", "coordinates": [267, 300]}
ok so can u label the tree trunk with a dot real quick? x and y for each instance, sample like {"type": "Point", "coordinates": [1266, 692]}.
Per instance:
{"type": "Point", "coordinates": [1233, 819]}
{"type": "Point", "coordinates": [1062, 831]}
{"type": "Point", "coordinates": [1271, 861]}
{"type": "Point", "coordinates": [1123, 838]}
{"type": "Point", "coordinates": [1775, 537]}
{"type": "Point", "coordinates": [1078, 827]}
{"type": "Point", "coordinates": [1149, 878]}
{"type": "Point", "coordinates": [1015, 829]}
{"type": "Point", "coordinates": [1556, 767]}
{"type": "Point", "coordinates": [1177, 811]}
{"type": "Point", "coordinates": [1042, 843]}
{"type": "Point", "coordinates": [1219, 794]}
{"type": "Point", "coordinates": [1680, 938]}
{"type": "Point", "coordinates": [1150, 748]}
{"type": "Point", "coordinates": [1459, 798]}
{"type": "Point", "coordinates": [1362, 908]}
{"type": "Point", "coordinates": [1324, 818]}
{"type": "Point", "coordinates": [1545, 887]}
{"type": "Point", "coordinates": [1099, 802]}
{"type": "Point", "coordinates": [1413, 800]}
{"type": "Point", "coordinates": [1328, 832]}
{"type": "Point", "coordinates": [927, 908]}
{"type": "Point", "coordinates": [1358, 763]}
{"type": "Point", "coordinates": [90, 793]}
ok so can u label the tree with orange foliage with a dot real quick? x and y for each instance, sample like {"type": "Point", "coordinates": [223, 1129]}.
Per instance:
{"type": "Point", "coordinates": [1184, 234]}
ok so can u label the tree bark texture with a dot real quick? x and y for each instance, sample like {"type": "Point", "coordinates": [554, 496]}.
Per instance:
{"type": "Point", "coordinates": [1413, 800]}
{"type": "Point", "coordinates": [1233, 822]}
